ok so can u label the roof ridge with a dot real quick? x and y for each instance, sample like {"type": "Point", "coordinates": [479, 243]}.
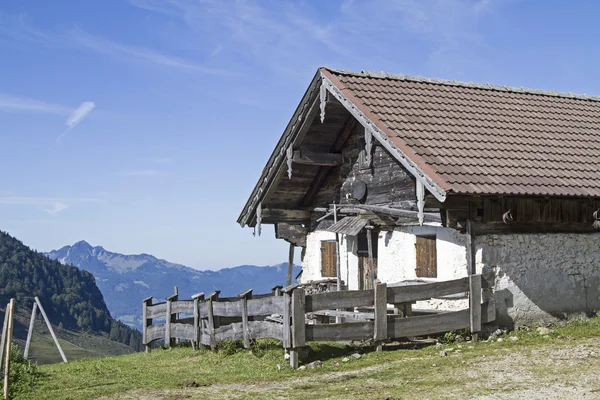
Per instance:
{"type": "Point", "coordinates": [473, 85]}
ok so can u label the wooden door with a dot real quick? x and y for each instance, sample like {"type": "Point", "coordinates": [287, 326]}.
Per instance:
{"type": "Point", "coordinates": [328, 259]}
{"type": "Point", "coordinates": [426, 257]}
{"type": "Point", "coordinates": [367, 271]}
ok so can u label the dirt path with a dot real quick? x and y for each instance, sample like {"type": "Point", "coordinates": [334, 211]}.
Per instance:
{"type": "Point", "coordinates": [565, 371]}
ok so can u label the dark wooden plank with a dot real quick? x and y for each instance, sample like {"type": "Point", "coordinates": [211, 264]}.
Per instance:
{"type": "Point", "coordinates": [339, 300]}
{"type": "Point", "coordinates": [475, 305]}
{"type": "Point", "coordinates": [437, 323]}
{"type": "Point", "coordinates": [380, 326]}
{"type": "Point", "coordinates": [182, 331]}
{"type": "Point", "coordinates": [426, 291]}
{"type": "Point", "coordinates": [277, 215]}
{"type": "Point", "coordinates": [154, 332]}
{"type": "Point", "coordinates": [227, 309]}
{"type": "Point", "coordinates": [265, 306]}
{"type": "Point", "coordinates": [156, 310]}
{"type": "Point", "coordinates": [337, 332]}
{"type": "Point", "coordinates": [328, 258]}
{"type": "Point", "coordinates": [298, 325]}
{"type": "Point", "coordinates": [182, 306]}
{"type": "Point", "coordinates": [245, 331]}
{"type": "Point", "coordinates": [303, 156]}
{"type": "Point", "coordinates": [168, 315]}
{"type": "Point", "coordinates": [265, 330]}
{"type": "Point", "coordinates": [287, 334]}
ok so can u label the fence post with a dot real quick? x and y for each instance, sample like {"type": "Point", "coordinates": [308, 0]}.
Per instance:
{"type": "Point", "coordinates": [10, 310]}
{"type": "Point", "coordinates": [146, 322]}
{"type": "Point", "coordinates": [380, 302]}
{"type": "Point", "coordinates": [211, 318]}
{"type": "Point", "coordinates": [60, 350]}
{"type": "Point", "coordinates": [298, 327]}
{"type": "Point", "coordinates": [475, 305]}
{"type": "Point", "coordinates": [4, 329]}
{"type": "Point", "coordinates": [30, 331]}
{"type": "Point", "coordinates": [170, 316]}
{"type": "Point", "coordinates": [244, 296]}
{"type": "Point", "coordinates": [276, 290]}
{"type": "Point", "coordinates": [287, 302]}
{"type": "Point", "coordinates": [168, 322]}
{"type": "Point", "coordinates": [197, 328]}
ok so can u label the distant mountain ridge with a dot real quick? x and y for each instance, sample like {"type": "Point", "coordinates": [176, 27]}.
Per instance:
{"type": "Point", "coordinates": [125, 280]}
{"type": "Point", "coordinates": [70, 296]}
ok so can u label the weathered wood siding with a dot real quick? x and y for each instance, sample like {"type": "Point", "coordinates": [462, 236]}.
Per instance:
{"type": "Point", "coordinates": [387, 181]}
{"type": "Point", "coordinates": [529, 214]}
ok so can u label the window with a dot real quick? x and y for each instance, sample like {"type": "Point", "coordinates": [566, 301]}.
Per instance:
{"type": "Point", "coordinates": [328, 258]}
{"type": "Point", "coordinates": [426, 257]}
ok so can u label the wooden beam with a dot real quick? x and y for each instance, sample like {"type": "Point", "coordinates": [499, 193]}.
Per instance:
{"type": "Point", "coordinates": [277, 215]}
{"type": "Point", "coordinates": [294, 234]}
{"type": "Point", "coordinates": [30, 331]}
{"type": "Point", "coordinates": [323, 172]}
{"type": "Point", "coordinates": [288, 281]}
{"type": "Point", "coordinates": [60, 350]}
{"type": "Point", "coordinates": [397, 212]}
{"type": "Point", "coordinates": [307, 157]}
{"type": "Point", "coordinates": [421, 201]}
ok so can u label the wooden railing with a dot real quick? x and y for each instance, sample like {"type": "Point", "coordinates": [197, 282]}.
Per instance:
{"type": "Point", "coordinates": [243, 317]}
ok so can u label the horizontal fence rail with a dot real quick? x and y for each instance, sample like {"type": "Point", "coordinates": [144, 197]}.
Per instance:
{"type": "Point", "coordinates": [282, 315]}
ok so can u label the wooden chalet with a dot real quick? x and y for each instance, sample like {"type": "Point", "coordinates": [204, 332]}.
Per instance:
{"type": "Point", "coordinates": [396, 178]}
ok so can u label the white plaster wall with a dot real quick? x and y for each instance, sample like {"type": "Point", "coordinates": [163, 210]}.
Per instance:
{"type": "Point", "coordinates": [311, 264]}
{"type": "Point", "coordinates": [397, 257]}
{"type": "Point", "coordinates": [542, 276]}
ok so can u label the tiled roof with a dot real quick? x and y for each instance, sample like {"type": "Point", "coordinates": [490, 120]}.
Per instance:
{"type": "Point", "coordinates": [485, 139]}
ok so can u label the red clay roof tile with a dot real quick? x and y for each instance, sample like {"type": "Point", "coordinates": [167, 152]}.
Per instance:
{"type": "Point", "coordinates": [484, 139]}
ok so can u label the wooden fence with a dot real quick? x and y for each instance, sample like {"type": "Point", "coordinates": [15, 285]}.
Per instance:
{"type": "Point", "coordinates": [248, 317]}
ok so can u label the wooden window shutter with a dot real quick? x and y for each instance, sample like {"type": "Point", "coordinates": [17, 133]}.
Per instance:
{"type": "Point", "coordinates": [328, 259]}
{"type": "Point", "coordinates": [426, 257]}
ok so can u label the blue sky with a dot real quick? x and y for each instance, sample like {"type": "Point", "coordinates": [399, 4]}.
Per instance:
{"type": "Point", "coordinates": [142, 125]}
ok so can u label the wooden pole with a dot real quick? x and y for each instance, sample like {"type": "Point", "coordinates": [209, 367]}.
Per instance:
{"type": "Point", "coordinates": [60, 350]}
{"type": "Point", "coordinates": [146, 322]}
{"type": "Point", "coordinates": [471, 251]}
{"type": "Point", "coordinates": [372, 276]}
{"type": "Point", "coordinates": [30, 332]}
{"type": "Point", "coordinates": [244, 296]}
{"type": "Point", "coordinates": [11, 308]}
{"type": "Point", "coordinates": [288, 282]}
{"type": "Point", "coordinates": [212, 321]}
{"type": "Point", "coordinates": [475, 305]}
{"type": "Point", "coordinates": [298, 326]}
{"type": "Point", "coordinates": [338, 275]}
{"type": "Point", "coordinates": [380, 302]}
{"type": "Point", "coordinates": [4, 329]}
{"type": "Point", "coordinates": [197, 328]}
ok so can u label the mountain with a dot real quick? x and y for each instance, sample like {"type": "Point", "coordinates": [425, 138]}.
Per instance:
{"type": "Point", "coordinates": [125, 280]}
{"type": "Point", "coordinates": [69, 295]}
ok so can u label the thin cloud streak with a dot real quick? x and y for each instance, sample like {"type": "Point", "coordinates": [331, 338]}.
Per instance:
{"type": "Point", "coordinates": [80, 113]}
{"type": "Point", "coordinates": [114, 49]}
{"type": "Point", "coordinates": [144, 172]}
{"type": "Point", "coordinates": [76, 117]}
{"type": "Point", "coordinates": [9, 103]}
{"type": "Point", "coordinates": [56, 208]}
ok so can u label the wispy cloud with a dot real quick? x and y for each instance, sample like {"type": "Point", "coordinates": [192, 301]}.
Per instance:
{"type": "Point", "coordinates": [119, 50]}
{"type": "Point", "coordinates": [144, 172]}
{"type": "Point", "coordinates": [51, 205]}
{"type": "Point", "coordinates": [76, 117]}
{"type": "Point", "coordinates": [56, 208]}
{"type": "Point", "coordinates": [9, 103]}
{"type": "Point", "coordinates": [80, 113]}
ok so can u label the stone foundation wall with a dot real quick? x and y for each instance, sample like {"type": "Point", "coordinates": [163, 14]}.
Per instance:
{"type": "Point", "coordinates": [540, 277]}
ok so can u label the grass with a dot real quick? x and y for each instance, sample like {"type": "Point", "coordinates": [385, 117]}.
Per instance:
{"type": "Point", "coordinates": [75, 345]}
{"type": "Point", "coordinates": [235, 372]}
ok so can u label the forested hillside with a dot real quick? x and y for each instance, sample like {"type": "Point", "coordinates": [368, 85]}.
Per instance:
{"type": "Point", "coordinates": [69, 295]}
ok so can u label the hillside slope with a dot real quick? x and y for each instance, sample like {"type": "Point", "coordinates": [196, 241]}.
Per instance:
{"type": "Point", "coordinates": [125, 280]}
{"type": "Point", "coordinates": [70, 296]}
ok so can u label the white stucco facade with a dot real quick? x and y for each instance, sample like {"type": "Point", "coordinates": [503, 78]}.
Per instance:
{"type": "Point", "coordinates": [542, 276]}
{"type": "Point", "coordinates": [538, 276]}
